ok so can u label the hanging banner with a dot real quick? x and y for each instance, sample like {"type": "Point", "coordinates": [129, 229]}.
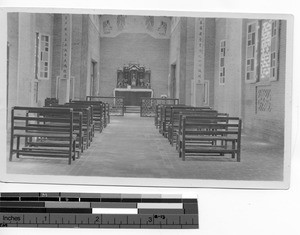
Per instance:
{"type": "Point", "coordinates": [66, 46]}
{"type": "Point", "coordinates": [199, 50]}
{"type": "Point", "coordinates": [63, 82]}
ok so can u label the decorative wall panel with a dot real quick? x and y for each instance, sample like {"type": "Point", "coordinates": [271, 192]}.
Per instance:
{"type": "Point", "coordinates": [263, 100]}
{"type": "Point", "coordinates": [156, 26]}
{"type": "Point", "coordinates": [269, 50]}
{"type": "Point", "coordinates": [265, 59]}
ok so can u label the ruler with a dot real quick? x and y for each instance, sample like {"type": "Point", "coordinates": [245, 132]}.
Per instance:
{"type": "Point", "coordinates": [95, 210]}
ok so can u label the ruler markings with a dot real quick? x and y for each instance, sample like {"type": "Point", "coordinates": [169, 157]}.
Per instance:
{"type": "Point", "coordinates": [82, 210]}
{"type": "Point", "coordinates": [160, 211]}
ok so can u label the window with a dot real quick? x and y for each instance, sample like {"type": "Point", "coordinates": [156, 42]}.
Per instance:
{"type": "Point", "coordinates": [251, 52]}
{"type": "Point", "coordinates": [42, 56]}
{"type": "Point", "coordinates": [262, 51]}
{"type": "Point", "coordinates": [222, 62]}
{"type": "Point", "coordinates": [274, 50]}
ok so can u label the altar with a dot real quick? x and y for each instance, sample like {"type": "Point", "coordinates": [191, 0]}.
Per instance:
{"type": "Point", "coordinates": [133, 83]}
{"type": "Point", "coordinates": [132, 96]}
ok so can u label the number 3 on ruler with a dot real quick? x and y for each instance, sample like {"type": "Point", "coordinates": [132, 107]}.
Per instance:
{"type": "Point", "coordinates": [150, 219]}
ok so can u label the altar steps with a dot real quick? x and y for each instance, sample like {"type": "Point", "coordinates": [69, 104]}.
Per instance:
{"type": "Point", "coordinates": [132, 109]}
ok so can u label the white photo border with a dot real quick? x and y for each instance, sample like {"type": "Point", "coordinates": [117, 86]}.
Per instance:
{"type": "Point", "coordinates": [120, 181]}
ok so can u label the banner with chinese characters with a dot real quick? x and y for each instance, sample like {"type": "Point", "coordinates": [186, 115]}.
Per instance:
{"type": "Point", "coordinates": [66, 46]}
{"type": "Point", "coordinates": [156, 26]}
{"type": "Point", "coordinates": [199, 50]}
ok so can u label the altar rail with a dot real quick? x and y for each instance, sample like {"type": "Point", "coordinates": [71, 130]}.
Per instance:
{"type": "Point", "coordinates": [116, 104]}
{"type": "Point", "coordinates": [148, 105]}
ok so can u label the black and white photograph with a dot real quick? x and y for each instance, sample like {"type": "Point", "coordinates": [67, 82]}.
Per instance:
{"type": "Point", "coordinates": [148, 98]}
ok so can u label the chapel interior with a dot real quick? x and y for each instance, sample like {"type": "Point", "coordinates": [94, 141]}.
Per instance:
{"type": "Point", "coordinates": [236, 66]}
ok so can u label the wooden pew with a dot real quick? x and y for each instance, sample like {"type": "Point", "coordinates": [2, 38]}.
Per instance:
{"type": "Point", "coordinates": [210, 135]}
{"type": "Point", "coordinates": [177, 111]}
{"type": "Point", "coordinates": [194, 115]}
{"type": "Point", "coordinates": [87, 130]}
{"type": "Point", "coordinates": [165, 114]}
{"type": "Point", "coordinates": [114, 105]}
{"type": "Point", "coordinates": [158, 116]}
{"type": "Point", "coordinates": [100, 115]}
{"type": "Point", "coordinates": [88, 116]}
{"type": "Point", "coordinates": [44, 132]}
{"type": "Point", "coordinates": [77, 126]}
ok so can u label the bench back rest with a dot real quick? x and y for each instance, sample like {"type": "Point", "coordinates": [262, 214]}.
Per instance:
{"type": "Point", "coordinates": [196, 115]}
{"type": "Point", "coordinates": [175, 111]}
{"type": "Point", "coordinates": [195, 125]}
{"type": "Point", "coordinates": [166, 111]}
{"type": "Point", "coordinates": [99, 108]}
{"type": "Point", "coordinates": [159, 107]}
{"type": "Point", "coordinates": [46, 120]}
{"type": "Point", "coordinates": [112, 103]}
{"type": "Point", "coordinates": [86, 110]}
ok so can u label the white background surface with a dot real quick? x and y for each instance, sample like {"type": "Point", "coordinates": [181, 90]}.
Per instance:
{"type": "Point", "coordinates": [221, 211]}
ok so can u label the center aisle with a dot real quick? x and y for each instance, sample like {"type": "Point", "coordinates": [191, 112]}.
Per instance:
{"type": "Point", "coordinates": [129, 146]}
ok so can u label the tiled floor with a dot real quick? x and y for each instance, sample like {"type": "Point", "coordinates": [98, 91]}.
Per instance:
{"type": "Point", "coordinates": [131, 147]}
